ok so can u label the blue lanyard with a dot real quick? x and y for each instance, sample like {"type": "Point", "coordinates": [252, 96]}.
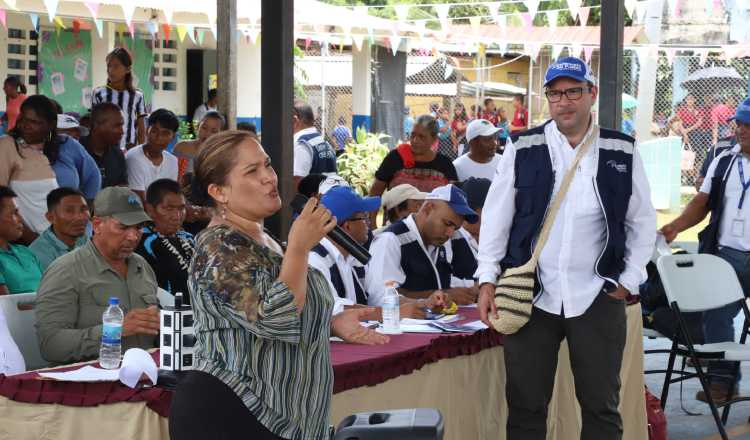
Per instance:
{"type": "Point", "coordinates": [745, 185]}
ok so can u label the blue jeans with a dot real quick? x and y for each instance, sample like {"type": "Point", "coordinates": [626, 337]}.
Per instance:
{"type": "Point", "coordinates": [718, 324]}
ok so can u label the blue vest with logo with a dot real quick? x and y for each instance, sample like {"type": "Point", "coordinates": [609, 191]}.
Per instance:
{"type": "Point", "coordinates": [323, 154]}
{"type": "Point", "coordinates": [708, 238]}
{"type": "Point", "coordinates": [358, 275]}
{"type": "Point", "coordinates": [421, 274]}
{"type": "Point", "coordinates": [534, 183]}
{"type": "Point", "coordinates": [463, 262]}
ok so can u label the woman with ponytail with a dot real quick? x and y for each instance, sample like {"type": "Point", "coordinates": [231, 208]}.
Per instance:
{"type": "Point", "coordinates": [15, 94]}
{"type": "Point", "coordinates": [121, 92]}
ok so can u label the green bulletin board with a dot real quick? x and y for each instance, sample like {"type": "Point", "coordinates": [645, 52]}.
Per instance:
{"type": "Point", "coordinates": [64, 71]}
{"type": "Point", "coordinates": [142, 52]}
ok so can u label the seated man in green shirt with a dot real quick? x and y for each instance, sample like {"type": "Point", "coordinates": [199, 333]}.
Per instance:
{"type": "Point", "coordinates": [20, 271]}
{"type": "Point", "coordinates": [68, 215]}
{"type": "Point", "coordinates": [76, 287]}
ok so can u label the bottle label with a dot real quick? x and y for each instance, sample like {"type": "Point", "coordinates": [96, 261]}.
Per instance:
{"type": "Point", "coordinates": [111, 333]}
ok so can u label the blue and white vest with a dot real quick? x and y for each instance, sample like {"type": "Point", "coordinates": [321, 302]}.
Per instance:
{"type": "Point", "coordinates": [323, 154]}
{"type": "Point", "coordinates": [335, 275]}
{"type": "Point", "coordinates": [534, 183]}
{"type": "Point", "coordinates": [421, 273]}
{"type": "Point", "coordinates": [708, 238]}
{"type": "Point", "coordinates": [463, 259]}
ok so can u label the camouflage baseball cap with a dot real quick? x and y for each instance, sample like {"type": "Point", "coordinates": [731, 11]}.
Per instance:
{"type": "Point", "coordinates": [122, 204]}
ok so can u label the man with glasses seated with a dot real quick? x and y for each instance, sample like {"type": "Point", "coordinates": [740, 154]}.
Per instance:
{"type": "Point", "coordinates": [601, 239]}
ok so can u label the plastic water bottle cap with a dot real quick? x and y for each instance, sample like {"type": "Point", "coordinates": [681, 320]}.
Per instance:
{"type": "Point", "coordinates": [113, 301]}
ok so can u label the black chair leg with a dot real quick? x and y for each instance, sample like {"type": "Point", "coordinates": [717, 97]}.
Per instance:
{"type": "Point", "coordinates": [668, 377]}
{"type": "Point", "coordinates": [730, 393]}
{"type": "Point", "coordinates": [709, 398]}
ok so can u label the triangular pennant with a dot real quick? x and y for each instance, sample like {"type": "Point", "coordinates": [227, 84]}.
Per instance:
{"type": "Point", "coordinates": [76, 26]}
{"type": "Point", "coordinates": [475, 22]}
{"type": "Point", "coordinates": [214, 32]}
{"type": "Point", "coordinates": [370, 35]}
{"type": "Point", "coordinates": [574, 6]}
{"type": "Point", "coordinates": [4, 18]}
{"type": "Point", "coordinates": [552, 18]}
{"type": "Point", "coordinates": [99, 27]}
{"type": "Point", "coordinates": [527, 20]}
{"type": "Point", "coordinates": [442, 11]}
{"type": "Point", "coordinates": [575, 50]}
{"type": "Point", "coordinates": [502, 47]}
{"type": "Point", "coordinates": [191, 32]}
{"type": "Point", "coordinates": [34, 21]}
{"type": "Point", "coordinates": [583, 14]}
{"type": "Point", "coordinates": [421, 28]}
{"type": "Point", "coordinates": [308, 42]}
{"type": "Point", "coordinates": [402, 12]}
{"type": "Point", "coordinates": [669, 53]}
{"type": "Point", "coordinates": [181, 31]}
{"type": "Point", "coordinates": [169, 14]}
{"type": "Point", "coordinates": [532, 6]}
{"type": "Point", "coordinates": [201, 35]}
{"type": "Point", "coordinates": [347, 29]}
{"type": "Point", "coordinates": [630, 6]}
{"type": "Point", "coordinates": [93, 8]}
{"type": "Point", "coordinates": [642, 11]}
{"type": "Point", "coordinates": [709, 7]}
{"type": "Point", "coordinates": [254, 32]}
{"type": "Point", "coordinates": [395, 41]}
{"type": "Point", "coordinates": [358, 39]}
{"type": "Point", "coordinates": [128, 9]}
{"type": "Point", "coordinates": [556, 50]}
{"type": "Point", "coordinates": [152, 27]}
{"type": "Point", "coordinates": [674, 7]}
{"type": "Point", "coordinates": [532, 50]}
{"type": "Point", "coordinates": [502, 21]}
{"type": "Point", "coordinates": [131, 29]}
{"type": "Point", "coordinates": [59, 23]}
{"type": "Point", "coordinates": [587, 51]}
{"type": "Point", "coordinates": [11, 4]}
{"type": "Point", "coordinates": [494, 8]}
{"type": "Point", "coordinates": [165, 28]}
{"type": "Point", "coordinates": [702, 56]}
{"type": "Point", "coordinates": [51, 6]}
{"type": "Point", "coordinates": [342, 41]}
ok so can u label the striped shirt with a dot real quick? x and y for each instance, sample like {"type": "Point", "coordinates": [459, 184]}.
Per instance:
{"type": "Point", "coordinates": [250, 336]}
{"type": "Point", "coordinates": [132, 104]}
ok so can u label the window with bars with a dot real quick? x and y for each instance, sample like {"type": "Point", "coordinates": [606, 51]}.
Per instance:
{"type": "Point", "coordinates": [165, 69]}
{"type": "Point", "coordinates": [21, 56]}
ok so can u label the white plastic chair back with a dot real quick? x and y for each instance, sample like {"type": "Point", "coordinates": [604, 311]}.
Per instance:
{"type": "Point", "coordinates": [698, 282]}
{"type": "Point", "coordinates": [19, 313]}
{"type": "Point", "coordinates": [165, 298]}
{"type": "Point", "coordinates": [691, 247]}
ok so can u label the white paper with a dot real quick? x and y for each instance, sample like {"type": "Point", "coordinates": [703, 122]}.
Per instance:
{"type": "Point", "coordinates": [662, 248]}
{"type": "Point", "coordinates": [85, 374]}
{"type": "Point", "coordinates": [476, 325]}
{"type": "Point", "coordinates": [58, 83]}
{"type": "Point", "coordinates": [135, 363]}
{"type": "Point", "coordinates": [419, 328]}
{"type": "Point", "coordinates": [468, 306]}
{"type": "Point", "coordinates": [80, 71]}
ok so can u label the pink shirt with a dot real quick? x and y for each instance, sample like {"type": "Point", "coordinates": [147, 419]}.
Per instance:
{"type": "Point", "coordinates": [13, 109]}
{"type": "Point", "coordinates": [720, 113]}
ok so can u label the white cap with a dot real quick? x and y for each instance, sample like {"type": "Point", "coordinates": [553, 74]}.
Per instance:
{"type": "Point", "coordinates": [329, 182]}
{"type": "Point", "coordinates": [401, 193]}
{"type": "Point", "coordinates": [67, 121]}
{"type": "Point", "coordinates": [480, 127]}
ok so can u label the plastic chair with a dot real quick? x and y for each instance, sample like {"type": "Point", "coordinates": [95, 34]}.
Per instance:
{"type": "Point", "coordinates": [697, 283]}
{"type": "Point", "coordinates": [165, 298]}
{"type": "Point", "coordinates": [19, 312]}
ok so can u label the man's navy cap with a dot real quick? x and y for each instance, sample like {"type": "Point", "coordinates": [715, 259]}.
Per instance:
{"type": "Point", "coordinates": [456, 199]}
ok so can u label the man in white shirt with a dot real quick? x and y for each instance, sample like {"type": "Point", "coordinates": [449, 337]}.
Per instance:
{"type": "Point", "coordinates": [482, 159]}
{"type": "Point", "coordinates": [312, 153]}
{"type": "Point", "coordinates": [346, 275]}
{"type": "Point", "coordinates": [209, 105]}
{"type": "Point", "coordinates": [723, 194]}
{"type": "Point", "coordinates": [600, 242]}
{"type": "Point", "coordinates": [416, 252]}
{"type": "Point", "coordinates": [150, 162]}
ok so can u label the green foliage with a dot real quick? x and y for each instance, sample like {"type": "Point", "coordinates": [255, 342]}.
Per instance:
{"type": "Point", "coordinates": [361, 159]}
{"type": "Point", "coordinates": [299, 74]}
{"type": "Point", "coordinates": [185, 132]}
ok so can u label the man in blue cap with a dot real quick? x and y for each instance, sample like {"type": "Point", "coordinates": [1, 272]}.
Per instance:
{"type": "Point", "coordinates": [727, 235]}
{"type": "Point", "coordinates": [416, 252]}
{"type": "Point", "coordinates": [346, 275]}
{"type": "Point", "coordinates": [602, 237]}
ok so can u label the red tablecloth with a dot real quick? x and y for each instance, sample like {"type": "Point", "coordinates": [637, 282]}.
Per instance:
{"type": "Point", "coordinates": [353, 366]}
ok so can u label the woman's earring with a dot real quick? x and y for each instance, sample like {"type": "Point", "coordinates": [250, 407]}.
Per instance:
{"type": "Point", "coordinates": [224, 211]}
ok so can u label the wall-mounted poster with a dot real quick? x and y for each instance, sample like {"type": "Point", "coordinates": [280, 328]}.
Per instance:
{"type": "Point", "coordinates": [64, 69]}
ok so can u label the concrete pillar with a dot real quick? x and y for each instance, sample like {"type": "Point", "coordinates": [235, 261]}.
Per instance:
{"type": "Point", "coordinates": [226, 23]}
{"type": "Point", "coordinates": [248, 80]}
{"type": "Point", "coordinates": [361, 87]}
{"type": "Point", "coordinates": [680, 71]}
{"type": "Point", "coordinates": [644, 113]}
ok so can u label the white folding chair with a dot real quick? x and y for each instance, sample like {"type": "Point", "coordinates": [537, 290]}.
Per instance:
{"type": "Point", "coordinates": [697, 283]}
{"type": "Point", "coordinates": [691, 247]}
{"type": "Point", "coordinates": [19, 313]}
{"type": "Point", "coordinates": [165, 298]}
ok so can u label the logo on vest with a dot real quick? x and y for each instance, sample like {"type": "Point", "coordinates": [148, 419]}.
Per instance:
{"type": "Point", "coordinates": [620, 167]}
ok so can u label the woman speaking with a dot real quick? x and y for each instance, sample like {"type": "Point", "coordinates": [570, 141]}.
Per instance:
{"type": "Point", "coordinates": [262, 317]}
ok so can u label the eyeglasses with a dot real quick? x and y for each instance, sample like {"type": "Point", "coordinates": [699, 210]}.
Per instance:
{"type": "Point", "coordinates": [573, 94]}
{"type": "Point", "coordinates": [358, 219]}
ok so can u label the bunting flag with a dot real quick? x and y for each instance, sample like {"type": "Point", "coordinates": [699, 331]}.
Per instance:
{"type": "Point", "coordinates": [34, 21]}
{"type": "Point", "coordinates": [341, 45]}
{"type": "Point", "coordinates": [128, 9]}
{"type": "Point", "coordinates": [574, 6]}
{"type": "Point", "coordinates": [395, 42]}
{"type": "Point", "coordinates": [421, 28]}
{"type": "Point", "coordinates": [502, 21]}
{"type": "Point", "coordinates": [630, 6]}
{"type": "Point", "coordinates": [702, 56]}
{"type": "Point", "coordinates": [583, 14]}
{"type": "Point", "coordinates": [643, 12]}
{"type": "Point", "coordinates": [253, 33]}
{"type": "Point", "coordinates": [152, 27]}
{"type": "Point", "coordinates": [370, 35]}
{"type": "Point", "coordinates": [4, 18]}
{"type": "Point", "coordinates": [131, 29]}
{"type": "Point", "coordinates": [308, 42]}
{"type": "Point", "coordinates": [669, 53]}
{"type": "Point", "coordinates": [576, 50]}
{"type": "Point", "coordinates": [347, 28]}
{"type": "Point", "coordinates": [674, 7]}
{"type": "Point", "coordinates": [532, 6]}
{"type": "Point", "coordinates": [76, 26]}
{"type": "Point", "coordinates": [502, 47]}
{"type": "Point", "coordinates": [532, 50]}
{"type": "Point", "coordinates": [165, 30]}
{"type": "Point", "coordinates": [587, 51]}
{"type": "Point", "coordinates": [556, 50]}
{"type": "Point", "coordinates": [93, 8]}
{"type": "Point", "coordinates": [402, 12]}
{"type": "Point", "coordinates": [442, 12]}
{"type": "Point", "coordinates": [527, 20]}
{"type": "Point", "coordinates": [181, 31]}
{"type": "Point", "coordinates": [59, 23]}
{"type": "Point", "coordinates": [11, 4]}
{"type": "Point", "coordinates": [169, 14]}
{"type": "Point", "coordinates": [51, 6]}
{"type": "Point", "coordinates": [358, 39]}
{"type": "Point", "coordinates": [214, 32]}
{"type": "Point", "coordinates": [552, 18]}
{"type": "Point", "coordinates": [494, 9]}
{"type": "Point", "coordinates": [201, 36]}
{"type": "Point", "coordinates": [191, 32]}
{"type": "Point", "coordinates": [99, 27]}
{"type": "Point", "coordinates": [475, 22]}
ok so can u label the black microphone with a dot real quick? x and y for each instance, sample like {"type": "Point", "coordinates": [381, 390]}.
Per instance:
{"type": "Point", "coordinates": [338, 235]}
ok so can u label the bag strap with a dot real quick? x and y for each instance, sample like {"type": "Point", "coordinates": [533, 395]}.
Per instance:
{"type": "Point", "coordinates": [549, 220]}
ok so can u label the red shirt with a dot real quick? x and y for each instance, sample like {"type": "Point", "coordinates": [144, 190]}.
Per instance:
{"type": "Point", "coordinates": [520, 119]}
{"type": "Point", "coordinates": [13, 109]}
{"type": "Point", "coordinates": [490, 116]}
{"type": "Point", "coordinates": [688, 117]}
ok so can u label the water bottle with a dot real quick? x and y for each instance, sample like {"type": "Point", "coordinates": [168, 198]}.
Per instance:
{"type": "Point", "coordinates": [391, 310]}
{"type": "Point", "coordinates": [111, 349]}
